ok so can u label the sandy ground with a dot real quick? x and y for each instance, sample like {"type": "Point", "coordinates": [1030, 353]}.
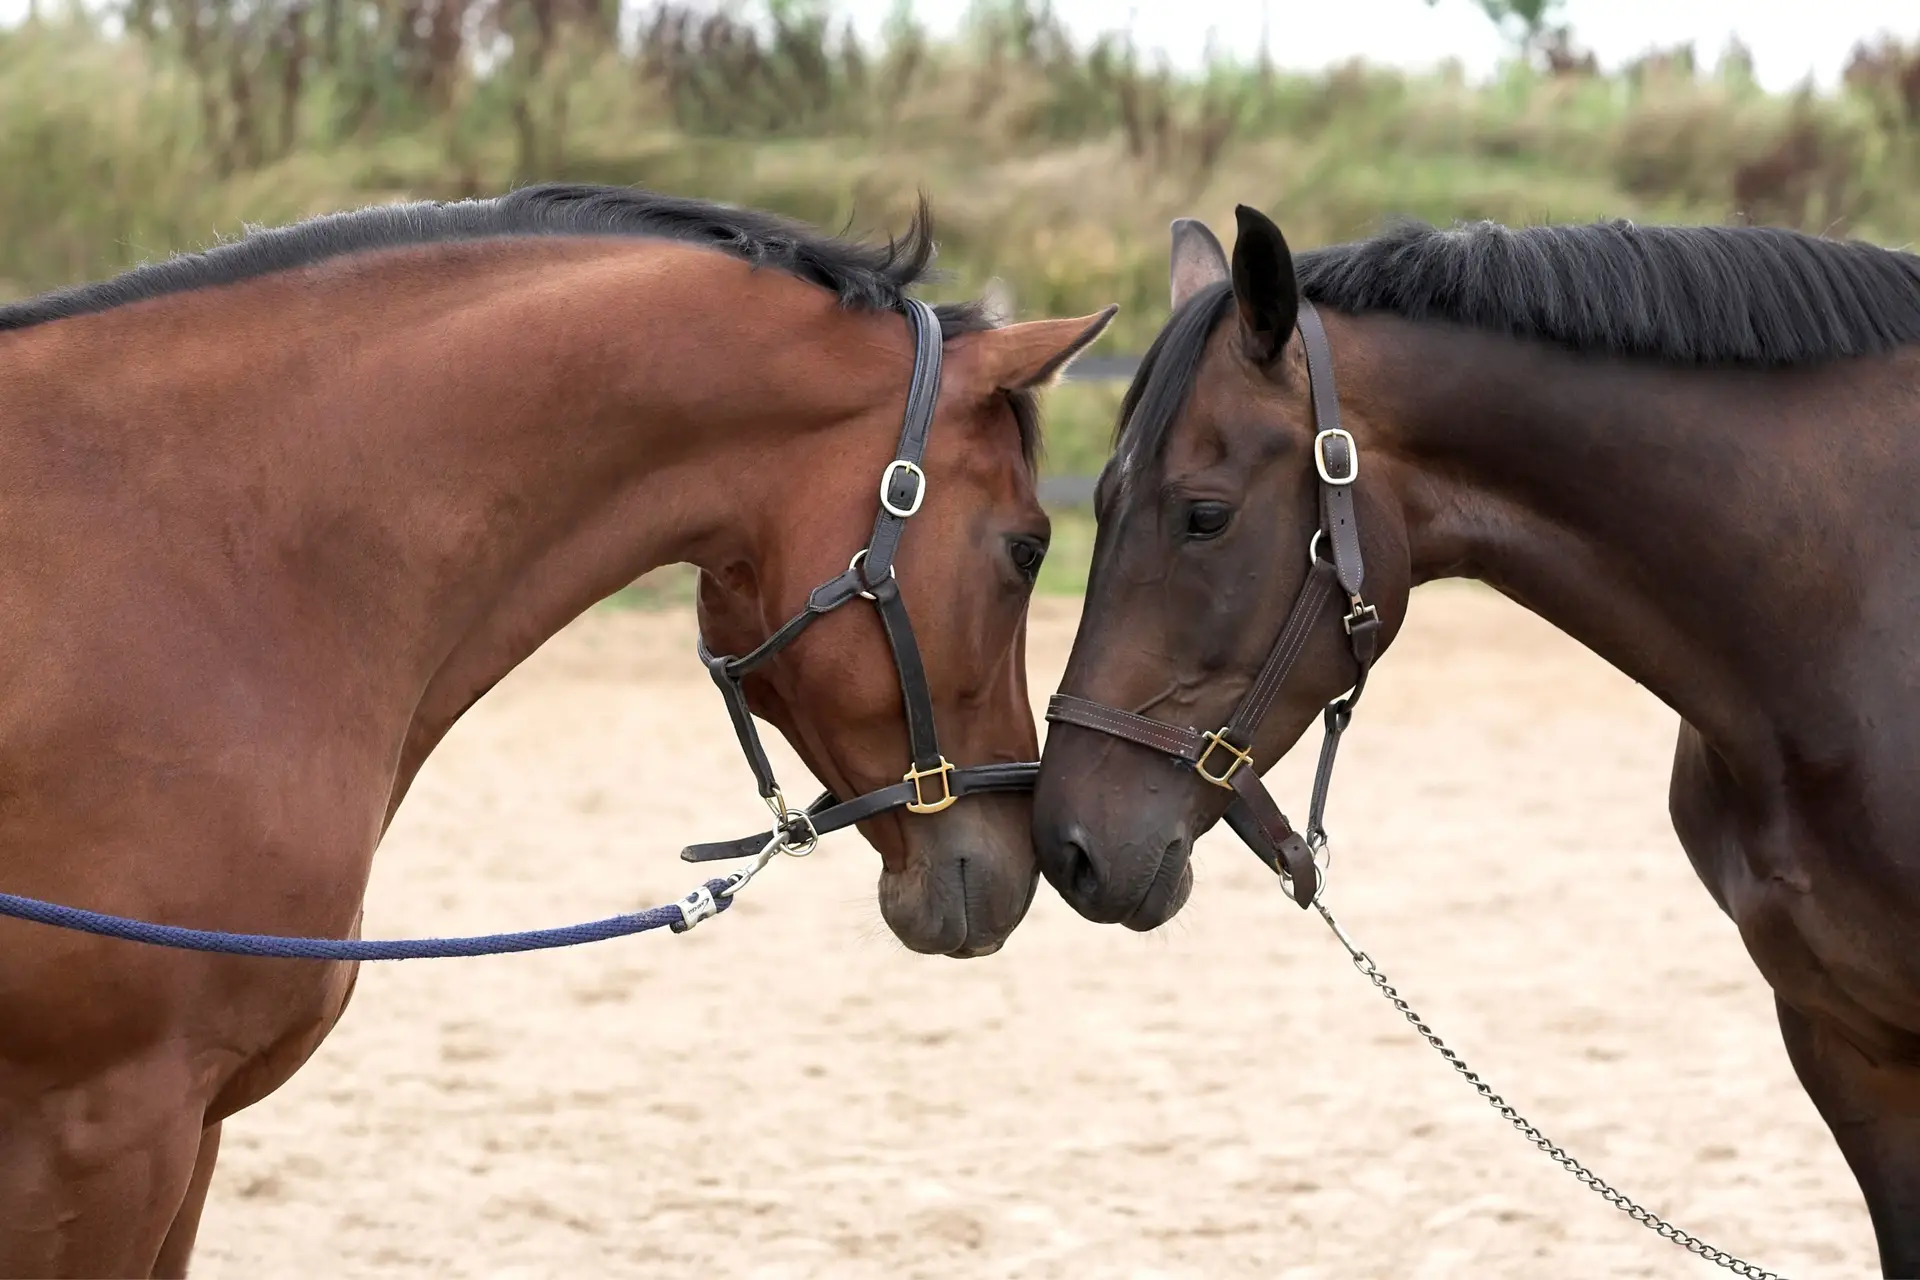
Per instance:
{"type": "Point", "coordinates": [786, 1092]}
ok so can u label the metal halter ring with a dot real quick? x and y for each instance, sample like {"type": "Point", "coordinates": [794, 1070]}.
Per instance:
{"type": "Point", "coordinates": [919, 488]}
{"type": "Point", "coordinates": [798, 818]}
{"type": "Point", "coordinates": [854, 563]}
{"type": "Point", "coordinates": [1322, 860]}
{"type": "Point", "coordinates": [785, 820]}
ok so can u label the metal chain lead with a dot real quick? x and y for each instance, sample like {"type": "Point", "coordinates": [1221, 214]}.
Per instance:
{"type": "Point", "coordinates": [1587, 1177]}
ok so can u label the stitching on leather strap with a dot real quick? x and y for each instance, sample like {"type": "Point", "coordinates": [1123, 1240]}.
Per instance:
{"type": "Point", "coordinates": [1286, 651]}
{"type": "Point", "coordinates": [1169, 739]}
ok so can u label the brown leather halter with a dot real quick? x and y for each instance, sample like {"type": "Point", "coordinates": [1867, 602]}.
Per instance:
{"type": "Point", "coordinates": [930, 783]}
{"type": "Point", "coordinates": [1224, 756]}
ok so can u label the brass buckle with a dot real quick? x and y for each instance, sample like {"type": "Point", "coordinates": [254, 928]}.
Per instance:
{"type": "Point", "coordinates": [920, 803]}
{"type": "Point", "coordinates": [1218, 739]}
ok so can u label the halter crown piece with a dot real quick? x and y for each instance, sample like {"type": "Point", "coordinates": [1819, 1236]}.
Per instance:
{"type": "Point", "coordinates": [930, 783]}
{"type": "Point", "coordinates": [1224, 756]}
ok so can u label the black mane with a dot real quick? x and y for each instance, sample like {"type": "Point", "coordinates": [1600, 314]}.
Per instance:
{"type": "Point", "coordinates": [1686, 295]}
{"type": "Point", "coordinates": [868, 277]}
{"type": "Point", "coordinates": [863, 276]}
{"type": "Point", "coordinates": [1701, 296]}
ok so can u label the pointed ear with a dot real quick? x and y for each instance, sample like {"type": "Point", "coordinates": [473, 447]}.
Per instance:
{"type": "Point", "coordinates": [1023, 357]}
{"type": "Point", "coordinates": [1264, 287]}
{"type": "Point", "coordinates": [1198, 259]}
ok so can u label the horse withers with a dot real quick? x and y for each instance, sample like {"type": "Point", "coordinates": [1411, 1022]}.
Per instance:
{"type": "Point", "coordinates": [1695, 450]}
{"type": "Point", "coordinates": [281, 512]}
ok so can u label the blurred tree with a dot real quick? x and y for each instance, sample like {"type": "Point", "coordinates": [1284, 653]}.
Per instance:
{"type": "Point", "coordinates": [1528, 23]}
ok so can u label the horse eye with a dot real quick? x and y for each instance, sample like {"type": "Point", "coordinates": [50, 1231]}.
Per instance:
{"type": "Point", "coordinates": [1027, 556]}
{"type": "Point", "coordinates": [1208, 520]}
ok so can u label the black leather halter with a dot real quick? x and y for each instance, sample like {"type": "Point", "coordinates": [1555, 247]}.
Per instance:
{"type": "Point", "coordinates": [1224, 757]}
{"type": "Point", "coordinates": [930, 783]}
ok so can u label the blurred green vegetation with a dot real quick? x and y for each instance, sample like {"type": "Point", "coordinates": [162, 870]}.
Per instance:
{"type": "Point", "coordinates": [1078, 424]}
{"type": "Point", "coordinates": [1070, 555]}
{"type": "Point", "coordinates": [152, 126]}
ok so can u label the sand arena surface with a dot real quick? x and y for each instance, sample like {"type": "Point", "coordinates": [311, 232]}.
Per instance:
{"type": "Point", "coordinates": [786, 1092]}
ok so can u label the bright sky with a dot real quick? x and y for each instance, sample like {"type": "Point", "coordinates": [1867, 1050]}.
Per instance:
{"type": "Point", "coordinates": [1790, 39]}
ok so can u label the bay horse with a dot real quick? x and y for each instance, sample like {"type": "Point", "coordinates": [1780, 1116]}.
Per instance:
{"type": "Point", "coordinates": [280, 512]}
{"type": "Point", "coordinates": [1695, 450]}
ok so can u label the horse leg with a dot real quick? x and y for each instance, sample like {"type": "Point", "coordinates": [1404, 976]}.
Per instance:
{"type": "Point", "coordinates": [93, 1175]}
{"type": "Point", "coordinates": [1874, 1112]}
{"type": "Point", "coordinates": [178, 1247]}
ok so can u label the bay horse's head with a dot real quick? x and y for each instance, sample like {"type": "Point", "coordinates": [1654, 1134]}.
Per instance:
{"type": "Point", "coordinates": [956, 877]}
{"type": "Point", "coordinates": [1207, 511]}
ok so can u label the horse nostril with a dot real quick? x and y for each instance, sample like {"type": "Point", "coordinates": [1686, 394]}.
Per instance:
{"type": "Point", "coordinates": [1083, 877]}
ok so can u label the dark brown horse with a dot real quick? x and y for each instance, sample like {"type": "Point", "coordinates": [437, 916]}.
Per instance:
{"type": "Point", "coordinates": [278, 514]}
{"type": "Point", "coordinates": [1695, 450]}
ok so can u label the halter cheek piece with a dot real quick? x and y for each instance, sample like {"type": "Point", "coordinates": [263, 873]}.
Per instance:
{"type": "Point", "coordinates": [1224, 756]}
{"type": "Point", "coordinates": [930, 783]}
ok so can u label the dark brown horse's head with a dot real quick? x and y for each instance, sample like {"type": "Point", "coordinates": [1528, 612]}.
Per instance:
{"type": "Point", "coordinates": [1206, 510]}
{"type": "Point", "coordinates": [957, 881]}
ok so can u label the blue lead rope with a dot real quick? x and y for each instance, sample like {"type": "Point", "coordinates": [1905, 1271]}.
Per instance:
{"type": "Point", "coordinates": [708, 900]}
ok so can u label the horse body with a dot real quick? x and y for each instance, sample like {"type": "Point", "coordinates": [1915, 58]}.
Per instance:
{"type": "Point", "coordinates": [1735, 533]}
{"type": "Point", "coordinates": [271, 535]}
{"type": "Point", "coordinates": [1710, 508]}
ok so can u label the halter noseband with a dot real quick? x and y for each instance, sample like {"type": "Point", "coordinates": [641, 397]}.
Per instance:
{"type": "Point", "coordinates": [1224, 756]}
{"type": "Point", "coordinates": [930, 783]}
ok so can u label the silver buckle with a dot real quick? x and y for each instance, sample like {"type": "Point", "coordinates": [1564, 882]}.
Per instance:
{"type": "Point", "coordinates": [919, 488]}
{"type": "Point", "coordinates": [1320, 457]}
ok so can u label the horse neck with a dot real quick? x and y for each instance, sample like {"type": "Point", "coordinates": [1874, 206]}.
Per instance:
{"type": "Point", "coordinates": [628, 406]}
{"type": "Point", "coordinates": [1655, 514]}
{"type": "Point", "coordinates": [442, 456]}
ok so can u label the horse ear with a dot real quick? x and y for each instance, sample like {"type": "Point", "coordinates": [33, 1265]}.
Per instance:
{"type": "Point", "coordinates": [1264, 286]}
{"type": "Point", "coordinates": [1198, 259]}
{"type": "Point", "coordinates": [1023, 357]}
